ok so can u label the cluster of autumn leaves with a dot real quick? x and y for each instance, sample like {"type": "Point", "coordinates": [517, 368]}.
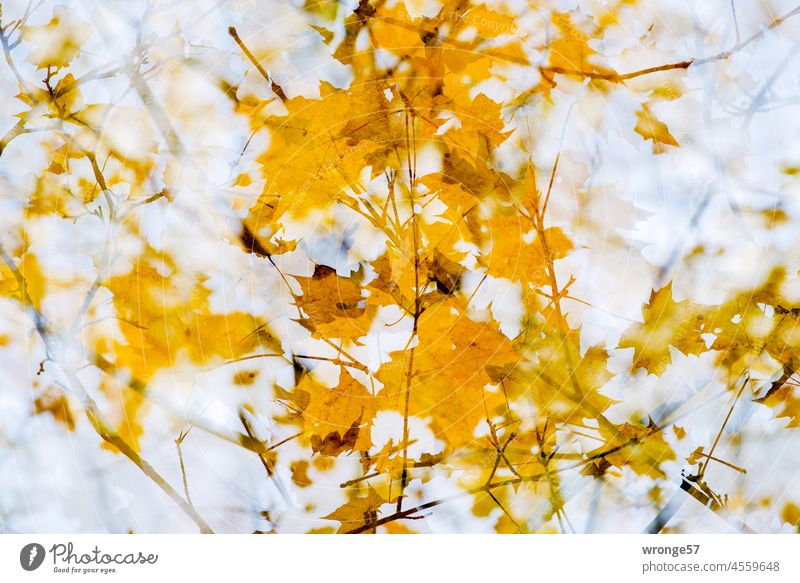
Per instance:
{"type": "Point", "coordinates": [359, 147]}
{"type": "Point", "coordinates": [409, 150]}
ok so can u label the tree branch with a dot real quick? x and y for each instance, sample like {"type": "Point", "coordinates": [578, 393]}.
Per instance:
{"type": "Point", "coordinates": [93, 413]}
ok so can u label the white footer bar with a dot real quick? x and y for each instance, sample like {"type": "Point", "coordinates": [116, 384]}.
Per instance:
{"type": "Point", "coordinates": [389, 558]}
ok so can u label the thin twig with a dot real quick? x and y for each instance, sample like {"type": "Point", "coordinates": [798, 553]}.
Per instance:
{"type": "Point", "coordinates": [721, 56]}
{"type": "Point", "coordinates": [276, 89]}
{"type": "Point", "coordinates": [266, 461]}
{"type": "Point", "coordinates": [178, 443]}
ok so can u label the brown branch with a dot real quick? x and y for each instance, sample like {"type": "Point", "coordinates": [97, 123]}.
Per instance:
{"type": "Point", "coordinates": [620, 78]}
{"type": "Point", "coordinates": [616, 77]}
{"type": "Point", "coordinates": [410, 143]}
{"type": "Point", "coordinates": [352, 363]}
{"type": "Point", "coordinates": [409, 513]}
{"type": "Point", "coordinates": [111, 437]}
{"type": "Point", "coordinates": [276, 89]}
{"type": "Point", "coordinates": [709, 456]}
{"type": "Point", "coordinates": [520, 528]}
{"type": "Point", "coordinates": [178, 443]}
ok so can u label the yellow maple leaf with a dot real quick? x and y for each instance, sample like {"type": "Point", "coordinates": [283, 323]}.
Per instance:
{"type": "Point", "coordinates": [59, 41]}
{"type": "Point", "coordinates": [358, 512]}
{"type": "Point", "coordinates": [447, 384]}
{"type": "Point", "coordinates": [320, 146]}
{"type": "Point", "coordinates": [644, 449]}
{"type": "Point", "coordinates": [666, 323]}
{"type": "Point", "coordinates": [333, 306]}
{"type": "Point", "coordinates": [570, 51]}
{"type": "Point", "coordinates": [518, 254]}
{"type": "Point", "coordinates": [651, 128]}
{"type": "Point", "coordinates": [337, 419]}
